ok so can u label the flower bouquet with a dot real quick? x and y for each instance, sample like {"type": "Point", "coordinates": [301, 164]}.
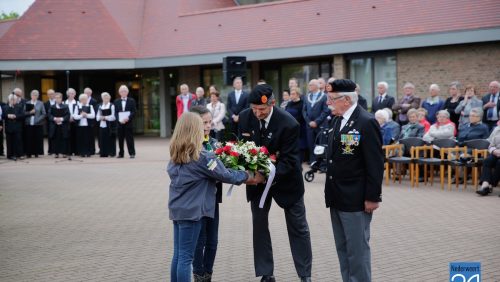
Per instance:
{"type": "Point", "coordinates": [248, 156]}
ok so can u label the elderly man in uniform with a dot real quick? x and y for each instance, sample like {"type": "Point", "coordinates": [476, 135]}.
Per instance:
{"type": "Point", "coordinates": [354, 179]}
{"type": "Point", "coordinates": [276, 129]}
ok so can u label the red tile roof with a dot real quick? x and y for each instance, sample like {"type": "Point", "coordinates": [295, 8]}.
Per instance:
{"type": "Point", "coordinates": [5, 25]}
{"type": "Point", "coordinates": [167, 28]}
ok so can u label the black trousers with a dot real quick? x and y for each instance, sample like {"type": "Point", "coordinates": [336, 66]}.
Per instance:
{"type": "Point", "coordinates": [491, 170]}
{"type": "Point", "coordinates": [2, 152]}
{"type": "Point", "coordinates": [33, 136]}
{"type": "Point", "coordinates": [72, 145]}
{"type": "Point", "coordinates": [126, 133]}
{"type": "Point", "coordinates": [85, 138]}
{"type": "Point", "coordinates": [59, 141]}
{"type": "Point", "coordinates": [298, 236]}
{"type": "Point", "coordinates": [14, 144]}
{"type": "Point", "coordinates": [107, 142]}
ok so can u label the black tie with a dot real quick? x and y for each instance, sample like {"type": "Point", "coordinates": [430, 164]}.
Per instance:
{"type": "Point", "coordinates": [262, 131]}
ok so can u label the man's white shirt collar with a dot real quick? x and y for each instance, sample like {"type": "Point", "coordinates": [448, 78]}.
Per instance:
{"type": "Point", "coordinates": [268, 118]}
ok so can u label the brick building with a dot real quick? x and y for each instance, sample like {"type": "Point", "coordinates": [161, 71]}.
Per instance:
{"type": "Point", "coordinates": [155, 45]}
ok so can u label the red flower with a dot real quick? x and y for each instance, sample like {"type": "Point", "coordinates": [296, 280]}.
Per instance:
{"type": "Point", "coordinates": [234, 154]}
{"type": "Point", "coordinates": [226, 148]}
{"type": "Point", "coordinates": [253, 152]}
{"type": "Point", "coordinates": [273, 158]}
{"type": "Point", "coordinates": [219, 151]}
{"type": "Point", "coordinates": [264, 150]}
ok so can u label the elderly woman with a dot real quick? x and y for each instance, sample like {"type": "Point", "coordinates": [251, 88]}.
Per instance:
{"type": "Point", "coordinates": [386, 128]}
{"type": "Point", "coordinates": [34, 120]}
{"type": "Point", "coordinates": [59, 126]}
{"type": "Point", "coordinates": [107, 127]}
{"type": "Point", "coordinates": [413, 128]}
{"type": "Point", "coordinates": [218, 111]}
{"type": "Point", "coordinates": [200, 98]}
{"type": "Point", "coordinates": [286, 98]}
{"type": "Point", "coordinates": [294, 107]}
{"type": "Point", "coordinates": [72, 103]}
{"type": "Point", "coordinates": [474, 129]}
{"type": "Point", "coordinates": [433, 103]}
{"type": "Point", "coordinates": [193, 173]}
{"type": "Point", "coordinates": [453, 101]}
{"type": "Point", "coordinates": [396, 127]}
{"type": "Point", "coordinates": [422, 119]}
{"type": "Point", "coordinates": [469, 102]}
{"type": "Point", "coordinates": [83, 113]}
{"type": "Point", "coordinates": [444, 128]}
{"type": "Point", "coordinates": [13, 114]}
{"type": "Point", "coordinates": [491, 165]}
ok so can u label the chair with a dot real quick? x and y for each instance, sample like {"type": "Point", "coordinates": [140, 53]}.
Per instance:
{"type": "Point", "coordinates": [398, 154]}
{"type": "Point", "coordinates": [453, 159]}
{"type": "Point", "coordinates": [479, 154]}
{"type": "Point", "coordinates": [425, 156]}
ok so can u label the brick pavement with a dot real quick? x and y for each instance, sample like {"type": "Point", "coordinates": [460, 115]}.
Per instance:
{"type": "Point", "coordinates": [107, 220]}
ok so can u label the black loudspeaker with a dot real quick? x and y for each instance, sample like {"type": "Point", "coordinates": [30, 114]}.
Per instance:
{"type": "Point", "coordinates": [234, 67]}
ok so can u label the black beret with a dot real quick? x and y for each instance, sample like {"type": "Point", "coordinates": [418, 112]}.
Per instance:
{"type": "Point", "coordinates": [260, 94]}
{"type": "Point", "coordinates": [343, 85]}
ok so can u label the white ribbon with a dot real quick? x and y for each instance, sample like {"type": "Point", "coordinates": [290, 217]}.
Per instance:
{"type": "Point", "coordinates": [272, 173]}
{"type": "Point", "coordinates": [270, 179]}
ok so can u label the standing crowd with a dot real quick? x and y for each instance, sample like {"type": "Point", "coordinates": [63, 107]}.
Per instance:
{"type": "Point", "coordinates": [72, 125]}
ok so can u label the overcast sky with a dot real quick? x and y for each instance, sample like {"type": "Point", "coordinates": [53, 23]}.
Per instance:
{"type": "Point", "coordinates": [18, 6]}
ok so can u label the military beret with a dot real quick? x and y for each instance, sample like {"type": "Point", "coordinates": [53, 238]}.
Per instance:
{"type": "Point", "coordinates": [343, 85]}
{"type": "Point", "coordinates": [260, 94]}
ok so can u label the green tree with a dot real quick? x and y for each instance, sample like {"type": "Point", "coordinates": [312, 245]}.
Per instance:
{"type": "Point", "coordinates": [9, 16]}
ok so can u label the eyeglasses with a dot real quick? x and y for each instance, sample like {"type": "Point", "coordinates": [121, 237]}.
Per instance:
{"type": "Point", "coordinates": [335, 99]}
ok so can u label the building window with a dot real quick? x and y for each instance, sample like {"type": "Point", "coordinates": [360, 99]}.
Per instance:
{"type": "Point", "coordinates": [367, 70]}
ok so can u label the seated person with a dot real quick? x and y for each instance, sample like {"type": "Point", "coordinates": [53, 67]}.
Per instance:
{"type": "Point", "coordinates": [475, 129]}
{"type": "Point", "coordinates": [422, 113]}
{"type": "Point", "coordinates": [413, 128]}
{"type": "Point", "coordinates": [491, 165]}
{"type": "Point", "coordinates": [444, 128]}
{"type": "Point", "coordinates": [396, 127]}
{"type": "Point", "coordinates": [385, 127]}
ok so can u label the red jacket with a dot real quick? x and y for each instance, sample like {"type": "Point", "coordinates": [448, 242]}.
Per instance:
{"type": "Point", "coordinates": [180, 105]}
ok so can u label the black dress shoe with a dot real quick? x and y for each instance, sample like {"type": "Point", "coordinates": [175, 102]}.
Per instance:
{"type": "Point", "coordinates": [484, 192]}
{"type": "Point", "coordinates": [132, 156]}
{"type": "Point", "coordinates": [266, 278]}
{"type": "Point", "coordinates": [120, 157]}
{"type": "Point", "coordinates": [305, 279]}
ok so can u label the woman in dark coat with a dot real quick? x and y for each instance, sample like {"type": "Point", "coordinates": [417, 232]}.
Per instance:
{"type": "Point", "coordinates": [59, 126]}
{"type": "Point", "coordinates": [13, 114]}
{"type": "Point", "coordinates": [107, 127]}
{"type": "Point", "coordinates": [34, 120]}
{"type": "Point", "coordinates": [294, 107]}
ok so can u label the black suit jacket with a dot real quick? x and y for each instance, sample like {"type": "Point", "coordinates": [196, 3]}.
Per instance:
{"type": "Point", "coordinates": [93, 102]}
{"type": "Point", "coordinates": [356, 176]}
{"type": "Point", "coordinates": [486, 99]}
{"type": "Point", "coordinates": [64, 125]}
{"type": "Point", "coordinates": [234, 108]}
{"type": "Point", "coordinates": [130, 106]}
{"type": "Point", "coordinates": [282, 139]}
{"type": "Point", "coordinates": [13, 125]}
{"type": "Point", "coordinates": [388, 102]}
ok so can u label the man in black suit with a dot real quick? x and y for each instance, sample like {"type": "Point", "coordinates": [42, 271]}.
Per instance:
{"type": "Point", "coordinates": [278, 131]}
{"type": "Point", "coordinates": [125, 124]}
{"type": "Point", "coordinates": [92, 122]}
{"type": "Point", "coordinates": [13, 114]}
{"type": "Point", "coordinates": [2, 105]}
{"type": "Point", "coordinates": [491, 105]}
{"type": "Point", "coordinates": [237, 101]}
{"type": "Point", "coordinates": [22, 103]}
{"type": "Point", "coordinates": [354, 179]}
{"type": "Point", "coordinates": [48, 104]}
{"type": "Point", "coordinates": [383, 100]}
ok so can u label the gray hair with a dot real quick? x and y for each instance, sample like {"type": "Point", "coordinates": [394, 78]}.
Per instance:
{"type": "Point", "coordinates": [496, 83]}
{"type": "Point", "coordinates": [70, 90]}
{"type": "Point", "coordinates": [383, 83]}
{"type": "Point", "coordinates": [478, 112]}
{"type": "Point", "coordinates": [455, 84]}
{"type": "Point", "coordinates": [352, 95]}
{"type": "Point", "coordinates": [124, 87]}
{"type": "Point", "coordinates": [389, 112]}
{"type": "Point", "coordinates": [443, 112]}
{"type": "Point", "coordinates": [105, 94]}
{"type": "Point", "coordinates": [434, 87]}
{"type": "Point", "coordinates": [409, 85]}
{"type": "Point", "coordinates": [17, 91]}
{"type": "Point", "coordinates": [35, 92]}
{"type": "Point", "coordinates": [12, 97]}
{"type": "Point", "coordinates": [331, 79]}
{"type": "Point", "coordinates": [315, 82]}
{"type": "Point", "coordinates": [383, 114]}
{"type": "Point", "coordinates": [58, 94]}
{"type": "Point", "coordinates": [83, 95]}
